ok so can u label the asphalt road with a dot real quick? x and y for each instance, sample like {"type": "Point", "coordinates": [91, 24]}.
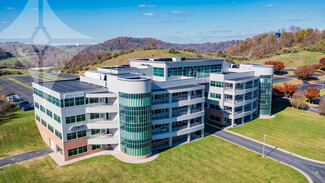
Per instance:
{"type": "Point", "coordinates": [23, 92]}
{"type": "Point", "coordinates": [23, 157]}
{"type": "Point", "coordinates": [315, 170]}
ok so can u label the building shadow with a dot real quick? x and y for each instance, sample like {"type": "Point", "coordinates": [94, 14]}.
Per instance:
{"type": "Point", "coordinates": [280, 104]}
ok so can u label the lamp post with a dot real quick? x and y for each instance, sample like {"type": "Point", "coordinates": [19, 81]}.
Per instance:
{"type": "Point", "coordinates": [264, 145]}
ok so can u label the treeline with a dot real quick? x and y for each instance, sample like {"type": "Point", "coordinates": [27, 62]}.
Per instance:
{"type": "Point", "coordinates": [291, 41]}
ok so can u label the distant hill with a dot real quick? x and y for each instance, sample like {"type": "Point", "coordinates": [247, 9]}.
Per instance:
{"type": "Point", "coordinates": [268, 44]}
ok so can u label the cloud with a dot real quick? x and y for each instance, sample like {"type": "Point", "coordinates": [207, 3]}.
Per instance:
{"type": "Point", "coordinates": [270, 5]}
{"type": "Point", "coordinates": [10, 8]}
{"type": "Point", "coordinates": [179, 13]}
{"type": "Point", "coordinates": [153, 15]}
{"type": "Point", "coordinates": [4, 22]}
{"type": "Point", "coordinates": [146, 6]}
{"type": "Point", "coordinates": [171, 21]}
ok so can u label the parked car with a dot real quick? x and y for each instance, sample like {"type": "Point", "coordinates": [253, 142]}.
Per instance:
{"type": "Point", "coordinates": [28, 107]}
{"type": "Point", "coordinates": [315, 101]}
{"type": "Point", "coordinates": [16, 99]}
{"type": "Point", "coordinates": [21, 104]}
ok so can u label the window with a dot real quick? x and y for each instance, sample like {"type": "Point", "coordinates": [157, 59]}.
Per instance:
{"type": "Point", "coordinates": [160, 72]}
{"type": "Point", "coordinates": [37, 105]}
{"type": "Point", "coordinates": [81, 117]}
{"type": "Point", "coordinates": [47, 97]}
{"type": "Point", "coordinates": [82, 150]}
{"type": "Point", "coordinates": [215, 118]}
{"type": "Point", "coordinates": [81, 134]}
{"type": "Point", "coordinates": [248, 107]}
{"type": "Point", "coordinates": [58, 134]}
{"type": "Point", "coordinates": [95, 131]}
{"type": "Point", "coordinates": [71, 136]}
{"type": "Point", "coordinates": [94, 115]}
{"type": "Point", "coordinates": [38, 118]}
{"type": "Point", "coordinates": [215, 95]}
{"type": "Point", "coordinates": [57, 118]}
{"type": "Point", "coordinates": [215, 107]}
{"type": "Point", "coordinates": [42, 109]}
{"type": "Point", "coordinates": [69, 102]}
{"type": "Point", "coordinates": [50, 128]}
{"type": "Point", "coordinates": [71, 119]}
{"type": "Point", "coordinates": [76, 151]}
{"type": "Point", "coordinates": [43, 123]}
{"type": "Point", "coordinates": [59, 150]}
{"type": "Point", "coordinates": [49, 113]}
{"type": "Point", "coordinates": [80, 100]}
{"type": "Point", "coordinates": [94, 147]}
{"type": "Point", "coordinates": [216, 84]}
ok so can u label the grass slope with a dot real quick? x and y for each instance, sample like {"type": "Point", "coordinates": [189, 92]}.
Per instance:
{"type": "Point", "coordinates": [293, 60]}
{"type": "Point", "coordinates": [297, 131]}
{"type": "Point", "coordinates": [19, 133]}
{"type": "Point", "coordinates": [205, 160]}
{"type": "Point", "coordinates": [123, 59]}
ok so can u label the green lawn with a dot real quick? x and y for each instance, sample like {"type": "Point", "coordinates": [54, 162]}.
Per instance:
{"type": "Point", "coordinates": [322, 92]}
{"type": "Point", "coordinates": [292, 60]}
{"type": "Point", "coordinates": [19, 133]}
{"type": "Point", "coordinates": [297, 131]}
{"type": "Point", "coordinates": [205, 160]}
{"type": "Point", "coordinates": [292, 82]}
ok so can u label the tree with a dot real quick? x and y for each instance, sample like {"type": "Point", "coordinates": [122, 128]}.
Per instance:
{"type": "Point", "coordinates": [321, 108]}
{"type": "Point", "coordinates": [304, 71]}
{"type": "Point", "coordinates": [278, 91]}
{"type": "Point", "coordinates": [317, 66]}
{"type": "Point", "coordinates": [278, 66]}
{"type": "Point", "coordinates": [173, 50]}
{"type": "Point", "coordinates": [322, 61]}
{"type": "Point", "coordinates": [311, 93]}
{"type": "Point", "coordinates": [221, 54]}
{"type": "Point", "coordinates": [298, 100]}
{"type": "Point", "coordinates": [190, 49]}
{"type": "Point", "coordinates": [290, 89]}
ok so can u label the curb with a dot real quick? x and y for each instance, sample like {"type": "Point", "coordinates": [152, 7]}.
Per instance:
{"type": "Point", "coordinates": [288, 152]}
{"type": "Point", "coordinates": [303, 173]}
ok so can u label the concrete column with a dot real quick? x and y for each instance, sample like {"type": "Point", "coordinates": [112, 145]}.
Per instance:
{"type": "Point", "coordinates": [189, 137]}
{"type": "Point", "coordinates": [170, 141]}
{"type": "Point", "coordinates": [170, 97]}
{"type": "Point", "coordinates": [189, 95]}
{"type": "Point", "coordinates": [188, 123]}
{"type": "Point", "coordinates": [202, 133]}
{"type": "Point", "coordinates": [170, 112]}
{"type": "Point", "coordinates": [170, 127]}
{"type": "Point", "coordinates": [232, 122]}
{"type": "Point", "coordinates": [189, 109]}
{"type": "Point", "coordinates": [242, 120]}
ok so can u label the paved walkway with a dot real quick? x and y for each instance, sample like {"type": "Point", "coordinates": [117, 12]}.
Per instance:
{"type": "Point", "coordinates": [24, 156]}
{"type": "Point", "coordinates": [312, 169]}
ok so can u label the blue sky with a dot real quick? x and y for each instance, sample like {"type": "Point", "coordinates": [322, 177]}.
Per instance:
{"type": "Point", "coordinates": [177, 21]}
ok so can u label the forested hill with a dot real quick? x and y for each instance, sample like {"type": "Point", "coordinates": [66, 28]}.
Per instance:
{"type": "Point", "coordinates": [269, 44]}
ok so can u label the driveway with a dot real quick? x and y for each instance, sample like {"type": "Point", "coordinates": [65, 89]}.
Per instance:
{"type": "Point", "coordinates": [23, 92]}
{"type": "Point", "coordinates": [313, 169]}
{"type": "Point", "coordinates": [25, 156]}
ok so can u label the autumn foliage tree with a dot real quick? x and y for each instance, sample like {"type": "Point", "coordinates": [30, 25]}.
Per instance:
{"type": "Point", "coordinates": [311, 93]}
{"type": "Point", "coordinates": [322, 61]}
{"type": "Point", "coordinates": [317, 66]}
{"type": "Point", "coordinates": [304, 71]}
{"type": "Point", "coordinates": [278, 91]}
{"type": "Point", "coordinates": [278, 66]}
{"type": "Point", "coordinates": [290, 89]}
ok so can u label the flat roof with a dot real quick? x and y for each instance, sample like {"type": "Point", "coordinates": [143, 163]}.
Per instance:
{"type": "Point", "coordinates": [176, 60]}
{"type": "Point", "coordinates": [179, 87]}
{"type": "Point", "coordinates": [65, 86]}
{"type": "Point", "coordinates": [243, 78]}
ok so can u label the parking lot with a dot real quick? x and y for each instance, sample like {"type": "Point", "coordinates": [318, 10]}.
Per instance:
{"type": "Point", "coordinates": [27, 93]}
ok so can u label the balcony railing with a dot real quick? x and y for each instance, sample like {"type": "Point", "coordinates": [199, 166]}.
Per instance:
{"type": "Point", "coordinates": [196, 96]}
{"type": "Point", "coordinates": [102, 135]}
{"type": "Point", "coordinates": [196, 110]}
{"type": "Point", "coordinates": [161, 130]}
{"type": "Point", "coordinates": [196, 124]}
{"type": "Point", "coordinates": [238, 112]}
{"type": "Point", "coordinates": [160, 116]}
{"type": "Point", "coordinates": [180, 98]}
{"type": "Point", "coordinates": [179, 128]}
{"type": "Point", "coordinates": [179, 113]}
{"type": "Point", "coordinates": [160, 101]}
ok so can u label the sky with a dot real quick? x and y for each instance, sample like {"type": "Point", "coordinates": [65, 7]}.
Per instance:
{"type": "Point", "coordinates": [176, 21]}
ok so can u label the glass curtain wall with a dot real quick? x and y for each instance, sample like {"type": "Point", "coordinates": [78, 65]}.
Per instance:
{"type": "Point", "coordinates": [265, 96]}
{"type": "Point", "coordinates": [135, 123]}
